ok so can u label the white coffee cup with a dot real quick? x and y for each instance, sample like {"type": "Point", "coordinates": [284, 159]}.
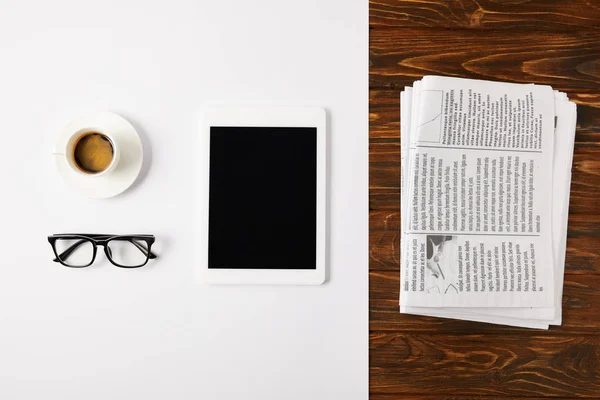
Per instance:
{"type": "Point", "coordinates": [73, 142]}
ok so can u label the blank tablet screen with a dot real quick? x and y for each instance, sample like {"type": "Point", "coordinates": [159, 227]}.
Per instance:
{"type": "Point", "coordinates": [262, 198]}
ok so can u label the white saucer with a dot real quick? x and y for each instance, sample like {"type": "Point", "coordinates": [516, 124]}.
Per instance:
{"type": "Point", "coordinates": [130, 160]}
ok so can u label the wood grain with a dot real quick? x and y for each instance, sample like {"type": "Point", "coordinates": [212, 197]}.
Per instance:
{"type": "Point", "coordinates": [421, 396]}
{"type": "Point", "coordinates": [569, 61]}
{"type": "Point", "coordinates": [527, 41]}
{"type": "Point", "coordinates": [514, 365]}
{"type": "Point", "coordinates": [486, 14]}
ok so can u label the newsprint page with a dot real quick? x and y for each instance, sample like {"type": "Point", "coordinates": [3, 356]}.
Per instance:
{"type": "Point", "coordinates": [476, 204]}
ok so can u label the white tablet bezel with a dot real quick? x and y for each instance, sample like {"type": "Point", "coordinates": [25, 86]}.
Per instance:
{"type": "Point", "coordinates": [265, 117]}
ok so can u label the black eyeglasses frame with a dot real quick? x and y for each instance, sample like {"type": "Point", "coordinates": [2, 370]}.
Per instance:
{"type": "Point", "coordinates": [102, 240]}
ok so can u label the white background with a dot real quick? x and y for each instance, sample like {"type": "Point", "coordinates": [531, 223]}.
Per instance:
{"type": "Point", "coordinates": [157, 332]}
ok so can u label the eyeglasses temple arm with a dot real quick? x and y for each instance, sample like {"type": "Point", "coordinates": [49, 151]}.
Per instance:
{"type": "Point", "coordinates": [144, 250]}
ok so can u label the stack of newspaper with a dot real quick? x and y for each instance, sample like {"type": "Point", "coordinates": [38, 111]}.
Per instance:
{"type": "Point", "coordinates": [486, 173]}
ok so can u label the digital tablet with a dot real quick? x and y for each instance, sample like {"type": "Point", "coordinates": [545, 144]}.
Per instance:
{"type": "Point", "coordinates": [263, 215]}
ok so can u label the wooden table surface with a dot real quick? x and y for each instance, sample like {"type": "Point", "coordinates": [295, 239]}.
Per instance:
{"type": "Point", "coordinates": [550, 42]}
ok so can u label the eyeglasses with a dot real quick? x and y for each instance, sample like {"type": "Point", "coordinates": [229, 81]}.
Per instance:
{"type": "Point", "coordinates": [79, 250]}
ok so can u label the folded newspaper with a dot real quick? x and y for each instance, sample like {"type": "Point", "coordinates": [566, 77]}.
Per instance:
{"type": "Point", "coordinates": [485, 180]}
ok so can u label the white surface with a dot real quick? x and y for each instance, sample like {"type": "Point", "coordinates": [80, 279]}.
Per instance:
{"type": "Point", "coordinates": [125, 167]}
{"type": "Point", "coordinates": [263, 117]}
{"type": "Point", "coordinates": [157, 332]}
